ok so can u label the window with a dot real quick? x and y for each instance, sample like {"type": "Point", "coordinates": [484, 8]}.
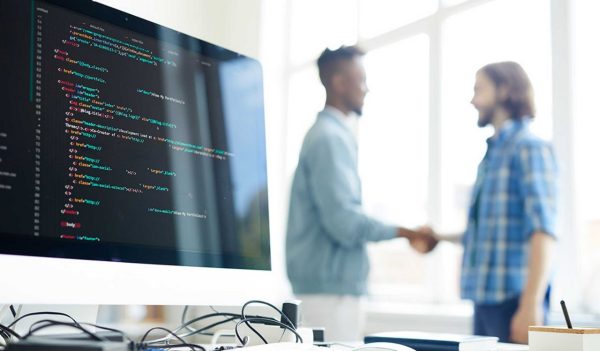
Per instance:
{"type": "Point", "coordinates": [396, 117]}
{"type": "Point", "coordinates": [306, 98]}
{"type": "Point", "coordinates": [317, 24]}
{"type": "Point", "coordinates": [393, 158]}
{"type": "Point", "coordinates": [381, 16]}
{"type": "Point", "coordinates": [419, 123]}
{"type": "Point", "coordinates": [586, 145]}
{"type": "Point", "coordinates": [470, 40]}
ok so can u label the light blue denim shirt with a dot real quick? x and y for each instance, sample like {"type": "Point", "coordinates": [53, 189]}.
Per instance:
{"type": "Point", "coordinates": [327, 230]}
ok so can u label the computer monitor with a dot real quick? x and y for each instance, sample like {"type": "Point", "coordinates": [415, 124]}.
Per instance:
{"type": "Point", "coordinates": [132, 162]}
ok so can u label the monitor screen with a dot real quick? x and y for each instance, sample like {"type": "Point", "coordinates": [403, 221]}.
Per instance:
{"type": "Point", "coordinates": [125, 141]}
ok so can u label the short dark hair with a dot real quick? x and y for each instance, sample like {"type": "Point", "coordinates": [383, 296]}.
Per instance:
{"type": "Point", "coordinates": [329, 61]}
{"type": "Point", "coordinates": [512, 76]}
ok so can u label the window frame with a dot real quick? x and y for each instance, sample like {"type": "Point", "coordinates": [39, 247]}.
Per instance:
{"type": "Point", "coordinates": [562, 111]}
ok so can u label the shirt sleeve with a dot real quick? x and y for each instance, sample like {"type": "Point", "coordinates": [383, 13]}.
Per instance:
{"type": "Point", "coordinates": [335, 186]}
{"type": "Point", "coordinates": [539, 186]}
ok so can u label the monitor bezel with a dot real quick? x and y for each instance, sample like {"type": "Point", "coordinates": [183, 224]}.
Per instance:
{"type": "Point", "coordinates": [37, 277]}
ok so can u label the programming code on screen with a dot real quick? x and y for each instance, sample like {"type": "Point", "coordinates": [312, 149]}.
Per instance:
{"type": "Point", "coordinates": [146, 149]}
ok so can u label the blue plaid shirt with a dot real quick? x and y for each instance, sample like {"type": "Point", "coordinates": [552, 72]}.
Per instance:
{"type": "Point", "coordinates": [514, 196]}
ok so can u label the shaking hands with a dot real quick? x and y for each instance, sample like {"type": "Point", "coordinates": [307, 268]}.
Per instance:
{"type": "Point", "coordinates": [422, 240]}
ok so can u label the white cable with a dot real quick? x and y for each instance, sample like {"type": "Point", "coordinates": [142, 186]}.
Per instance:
{"type": "Point", "coordinates": [3, 310]}
{"type": "Point", "coordinates": [19, 311]}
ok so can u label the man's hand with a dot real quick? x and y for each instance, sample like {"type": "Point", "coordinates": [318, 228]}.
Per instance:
{"type": "Point", "coordinates": [526, 316]}
{"type": "Point", "coordinates": [424, 240]}
{"type": "Point", "coordinates": [530, 311]}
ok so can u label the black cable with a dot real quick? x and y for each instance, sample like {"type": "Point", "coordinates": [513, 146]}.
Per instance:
{"type": "Point", "coordinates": [198, 331]}
{"type": "Point", "coordinates": [144, 345]}
{"type": "Point", "coordinates": [232, 317]}
{"type": "Point", "coordinates": [42, 313]}
{"type": "Point", "coordinates": [191, 346]}
{"type": "Point", "coordinates": [6, 334]}
{"type": "Point", "coordinates": [215, 311]}
{"type": "Point", "coordinates": [207, 316]}
{"type": "Point", "coordinates": [122, 333]}
{"type": "Point", "coordinates": [48, 323]}
{"type": "Point", "coordinates": [51, 323]}
{"type": "Point", "coordinates": [247, 323]}
{"type": "Point", "coordinates": [208, 327]}
{"type": "Point", "coordinates": [187, 327]}
{"type": "Point", "coordinates": [212, 315]}
{"type": "Point", "coordinates": [12, 310]}
{"type": "Point", "coordinates": [161, 329]}
{"type": "Point", "coordinates": [9, 332]}
{"type": "Point", "coordinates": [3, 333]}
{"type": "Point", "coordinates": [258, 302]}
{"type": "Point", "coordinates": [244, 341]}
{"type": "Point", "coordinates": [255, 331]}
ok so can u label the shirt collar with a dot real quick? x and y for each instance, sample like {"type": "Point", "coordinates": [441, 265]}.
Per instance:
{"type": "Point", "coordinates": [350, 121]}
{"type": "Point", "coordinates": [337, 113]}
{"type": "Point", "coordinates": [508, 129]}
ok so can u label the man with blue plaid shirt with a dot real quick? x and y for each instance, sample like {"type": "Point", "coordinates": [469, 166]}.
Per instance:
{"type": "Point", "coordinates": [511, 227]}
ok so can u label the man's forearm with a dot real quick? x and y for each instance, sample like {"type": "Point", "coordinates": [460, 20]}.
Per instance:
{"type": "Point", "coordinates": [406, 233]}
{"type": "Point", "coordinates": [455, 238]}
{"type": "Point", "coordinates": [540, 262]}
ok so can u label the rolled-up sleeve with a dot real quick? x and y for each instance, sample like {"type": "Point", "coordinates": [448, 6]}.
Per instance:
{"type": "Point", "coordinates": [539, 186]}
{"type": "Point", "coordinates": [335, 187]}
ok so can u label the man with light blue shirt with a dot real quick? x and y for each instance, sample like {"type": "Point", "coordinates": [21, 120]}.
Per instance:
{"type": "Point", "coordinates": [511, 226]}
{"type": "Point", "coordinates": [327, 232]}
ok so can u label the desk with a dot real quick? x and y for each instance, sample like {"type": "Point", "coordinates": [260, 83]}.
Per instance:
{"type": "Point", "coordinates": [512, 347]}
{"type": "Point", "coordinates": [501, 347]}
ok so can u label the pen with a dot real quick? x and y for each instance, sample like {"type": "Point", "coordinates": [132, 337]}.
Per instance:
{"type": "Point", "coordinates": [566, 313]}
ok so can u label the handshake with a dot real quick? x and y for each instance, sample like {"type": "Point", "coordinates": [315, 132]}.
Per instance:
{"type": "Point", "coordinates": [422, 240]}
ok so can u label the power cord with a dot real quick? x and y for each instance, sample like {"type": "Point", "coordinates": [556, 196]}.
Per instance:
{"type": "Point", "coordinates": [268, 321]}
{"type": "Point", "coordinates": [7, 333]}
{"type": "Point", "coordinates": [188, 326]}
{"type": "Point", "coordinates": [230, 318]}
{"type": "Point", "coordinates": [14, 312]}
{"type": "Point", "coordinates": [48, 313]}
{"type": "Point", "coordinates": [144, 345]}
{"type": "Point", "coordinates": [241, 319]}
{"type": "Point", "coordinates": [120, 332]}
{"type": "Point", "coordinates": [183, 322]}
{"type": "Point", "coordinates": [244, 341]}
{"type": "Point", "coordinates": [49, 323]}
{"type": "Point", "coordinates": [208, 327]}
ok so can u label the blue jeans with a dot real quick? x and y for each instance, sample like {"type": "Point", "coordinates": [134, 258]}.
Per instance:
{"type": "Point", "coordinates": [494, 319]}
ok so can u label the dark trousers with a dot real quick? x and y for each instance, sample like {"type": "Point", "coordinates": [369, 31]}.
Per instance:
{"type": "Point", "coordinates": [495, 319]}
